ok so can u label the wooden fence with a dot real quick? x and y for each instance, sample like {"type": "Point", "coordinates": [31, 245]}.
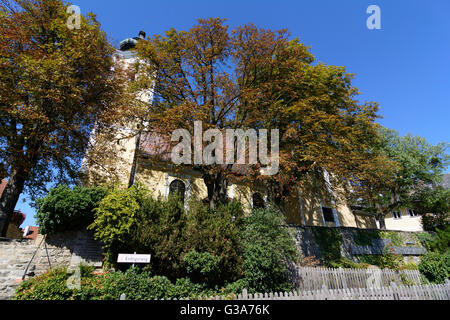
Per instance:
{"type": "Point", "coordinates": [312, 279]}
{"type": "Point", "coordinates": [393, 292]}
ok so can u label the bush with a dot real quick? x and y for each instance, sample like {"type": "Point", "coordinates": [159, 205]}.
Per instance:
{"type": "Point", "coordinates": [201, 266]}
{"type": "Point", "coordinates": [440, 242]}
{"type": "Point", "coordinates": [132, 221]}
{"type": "Point", "coordinates": [49, 286]}
{"type": "Point", "coordinates": [387, 260]}
{"type": "Point", "coordinates": [218, 233]}
{"type": "Point", "coordinates": [268, 248]}
{"type": "Point", "coordinates": [116, 219]}
{"type": "Point", "coordinates": [435, 266]}
{"type": "Point", "coordinates": [346, 263]}
{"type": "Point", "coordinates": [237, 287]}
{"type": "Point", "coordinates": [160, 231]}
{"type": "Point", "coordinates": [65, 209]}
{"type": "Point", "coordinates": [185, 288]}
{"type": "Point", "coordinates": [135, 283]}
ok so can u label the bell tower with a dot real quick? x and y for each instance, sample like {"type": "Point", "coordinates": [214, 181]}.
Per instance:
{"type": "Point", "coordinates": [122, 142]}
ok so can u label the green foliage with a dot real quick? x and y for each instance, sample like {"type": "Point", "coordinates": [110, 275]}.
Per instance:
{"type": "Point", "coordinates": [387, 260]}
{"type": "Point", "coordinates": [217, 232]}
{"type": "Point", "coordinates": [132, 221]}
{"type": "Point", "coordinates": [117, 217]}
{"type": "Point", "coordinates": [49, 286]}
{"type": "Point", "coordinates": [346, 263]}
{"type": "Point", "coordinates": [160, 231]}
{"type": "Point", "coordinates": [407, 164]}
{"type": "Point", "coordinates": [409, 266]}
{"type": "Point", "coordinates": [201, 266]}
{"type": "Point", "coordinates": [135, 283]}
{"type": "Point", "coordinates": [435, 266]}
{"type": "Point", "coordinates": [424, 238]}
{"type": "Point", "coordinates": [433, 204]}
{"type": "Point", "coordinates": [185, 288]}
{"type": "Point", "coordinates": [65, 209]}
{"type": "Point", "coordinates": [237, 287]}
{"type": "Point", "coordinates": [212, 248]}
{"type": "Point", "coordinates": [330, 242]}
{"type": "Point", "coordinates": [268, 247]}
{"type": "Point", "coordinates": [440, 242]}
{"type": "Point", "coordinates": [395, 237]}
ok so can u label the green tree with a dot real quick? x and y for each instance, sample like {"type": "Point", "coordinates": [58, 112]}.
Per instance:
{"type": "Point", "coordinates": [433, 204]}
{"type": "Point", "coordinates": [251, 78]}
{"type": "Point", "coordinates": [66, 209]}
{"type": "Point", "coordinates": [55, 84]}
{"type": "Point", "coordinates": [401, 167]}
{"type": "Point", "coordinates": [268, 249]}
{"type": "Point", "coordinates": [117, 218]}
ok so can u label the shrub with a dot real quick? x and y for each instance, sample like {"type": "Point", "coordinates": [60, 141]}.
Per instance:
{"type": "Point", "coordinates": [135, 283]}
{"type": "Point", "coordinates": [116, 218]}
{"type": "Point", "coordinates": [65, 209]}
{"type": "Point", "coordinates": [440, 242]}
{"type": "Point", "coordinates": [49, 286]}
{"type": "Point", "coordinates": [268, 247]}
{"type": "Point", "coordinates": [218, 233]}
{"type": "Point", "coordinates": [425, 238]}
{"type": "Point", "coordinates": [395, 237]}
{"type": "Point", "coordinates": [132, 221]}
{"type": "Point", "coordinates": [237, 287]}
{"type": "Point", "coordinates": [435, 266]}
{"type": "Point", "coordinates": [185, 288]}
{"type": "Point", "coordinates": [201, 266]}
{"type": "Point", "coordinates": [160, 232]}
{"type": "Point", "coordinates": [346, 263]}
{"type": "Point", "coordinates": [387, 260]}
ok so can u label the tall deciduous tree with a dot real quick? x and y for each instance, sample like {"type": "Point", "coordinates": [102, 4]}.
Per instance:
{"type": "Point", "coordinates": [56, 82]}
{"type": "Point", "coordinates": [400, 168]}
{"type": "Point", "coordinates": [433, 204]}
{"type": "Point", "coordinates": [260, 79]}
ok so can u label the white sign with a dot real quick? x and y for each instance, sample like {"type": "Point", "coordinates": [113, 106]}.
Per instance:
{"type": "Point", "coordinates": [134, 258]}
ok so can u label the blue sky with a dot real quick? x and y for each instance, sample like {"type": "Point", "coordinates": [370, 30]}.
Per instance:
{"type": "Point", "coordinates": [405, 66]}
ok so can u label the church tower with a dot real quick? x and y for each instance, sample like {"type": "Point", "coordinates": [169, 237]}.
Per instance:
{"type": "Point", "coordinates": [112, 154]}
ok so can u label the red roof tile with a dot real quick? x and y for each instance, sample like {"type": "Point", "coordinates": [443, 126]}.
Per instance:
{"type": "Point", "coordinates": [33, 233]}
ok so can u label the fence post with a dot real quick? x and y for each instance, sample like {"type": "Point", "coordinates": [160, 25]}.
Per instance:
{"type": "Point", "coordinates": [244, 294]}
{"type": "Point", "coordinates": [395, 291]}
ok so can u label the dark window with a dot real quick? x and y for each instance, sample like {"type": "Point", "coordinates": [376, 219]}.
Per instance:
{"type": "Point", "coordinates": [328, 214]}
{"type": "Point", "coordinates": [258, 201]}
{"type": "Point", "coordinates": [397, 215]}
{"type": "Point", "coordinates": [412, 213]}
{"type": "Point", "coordinates": [177, 187]}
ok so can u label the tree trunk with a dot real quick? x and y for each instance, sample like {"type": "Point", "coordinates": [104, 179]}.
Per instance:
{"type": "Point", "coordinates": [10, 197]}
{"type": "Point", "coordinates": [217, 186]}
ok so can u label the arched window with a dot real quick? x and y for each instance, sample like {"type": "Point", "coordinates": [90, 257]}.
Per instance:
{"type": "Point", "coordinates": [258, 201]}
{"type": "Point", "coordinates": [177, 187]}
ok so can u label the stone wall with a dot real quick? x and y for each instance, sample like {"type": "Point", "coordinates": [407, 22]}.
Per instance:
{"type": "Point", "coordinates": [403, 243]}
{"type": "Point", "coordinates": [68, 249]}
